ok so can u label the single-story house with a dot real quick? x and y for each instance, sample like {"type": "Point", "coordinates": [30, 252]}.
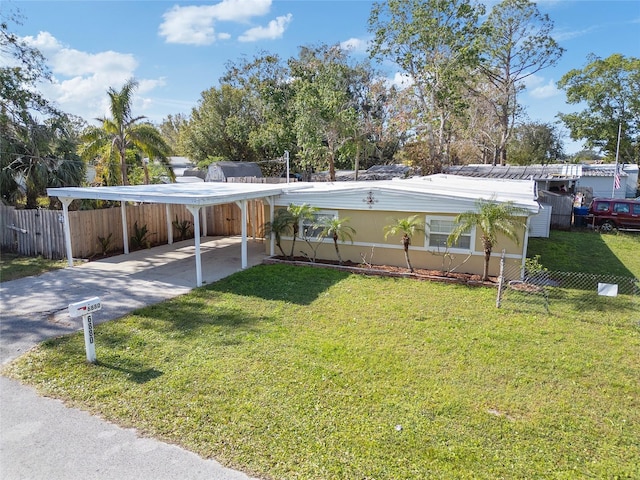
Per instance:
{"type": "Point", "coordinates": [599, 177]}
{"type": "Point", "coordinates": [592, 180]}
{"type": "Point", "coordinates": [435, 199]}
{"type": "Point", "coordinates": [185, 171]}
{"type": "Point", "coordinates": [371, 205]}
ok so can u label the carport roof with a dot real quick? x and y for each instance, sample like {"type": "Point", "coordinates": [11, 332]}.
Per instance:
{"type": "Point", "coordinates": [196, 194]}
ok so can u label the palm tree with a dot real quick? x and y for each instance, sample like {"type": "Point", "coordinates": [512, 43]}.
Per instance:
{"type": "Point", "coordinates": [111, 141]}
{"type": "Point", "coordinates": [280, 225]}
{"type": "Point", "coordinates": [408, 227]}
{"type": "Point", "coordinates": [492, 218]}
{"type": "Point", "coordinates": [299, 213]}
{"type": "Point", "coordinates": [337, 229]}
{"type": "Point", "coordinates": [39, 156]}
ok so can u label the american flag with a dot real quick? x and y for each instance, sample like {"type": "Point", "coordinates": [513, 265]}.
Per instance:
{"type": "Point", "coordinates": [616, 179]}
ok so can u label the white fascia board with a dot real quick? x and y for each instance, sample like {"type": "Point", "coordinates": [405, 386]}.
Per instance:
{"type": "Point", "coordinates": [200, 194]}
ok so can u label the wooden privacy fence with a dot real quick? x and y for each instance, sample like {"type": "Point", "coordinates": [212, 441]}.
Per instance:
{"type": "Point", "coordinates": [41, 232]}
{"type": "Point", "coordinates": [32, 232]}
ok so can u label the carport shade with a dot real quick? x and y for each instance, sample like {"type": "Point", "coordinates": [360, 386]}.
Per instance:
{"type": "Point", "coordinates": [193, 196]}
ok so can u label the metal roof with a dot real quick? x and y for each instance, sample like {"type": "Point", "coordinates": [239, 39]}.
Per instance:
{"type": "Point", "coordinates": [197, 194]}
{"type": "Point", "coordinates": [602, 170]}
{"type": "Point", "coordinates": [441, 193]}
{"type": "Point", "coordinates": [519, 172]}
{"type": "Point", "coordinates": [236, 169]}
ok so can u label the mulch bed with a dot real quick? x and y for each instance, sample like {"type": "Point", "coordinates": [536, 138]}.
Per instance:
{"type": "Point", "coordinates": [389, 271]}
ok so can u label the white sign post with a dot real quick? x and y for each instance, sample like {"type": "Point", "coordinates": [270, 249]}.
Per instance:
{"type": "Point", "coordinates": [86, 309]}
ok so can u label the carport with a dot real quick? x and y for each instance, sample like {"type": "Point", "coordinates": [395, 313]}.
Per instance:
{"type": "Point", "coordinates": [194, 196]}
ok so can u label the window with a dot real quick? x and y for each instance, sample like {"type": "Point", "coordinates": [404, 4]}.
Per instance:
{"type": "Point", "coordinates": [438, 230]}
{"type": "Point", "coordinates": [312, 228]}
{"type": "Point", "coordinates": [636, 209]}
{"type": "Point", "coordinates": [602, 206]}
{"type": "Point", "coordinates": [621, 207]}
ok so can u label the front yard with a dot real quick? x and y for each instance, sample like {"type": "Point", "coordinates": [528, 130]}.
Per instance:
{"type": "Point", "coordinates": [296, 372]}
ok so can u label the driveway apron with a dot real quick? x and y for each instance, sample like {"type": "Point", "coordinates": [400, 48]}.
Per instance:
{"type": "Point", "coordinates": [42, 439]}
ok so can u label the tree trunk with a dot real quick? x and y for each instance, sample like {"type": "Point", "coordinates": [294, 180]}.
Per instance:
{"type": "Point", "coordinates": [123, 167]}
{"type": "Point", "coordinates": [406, 241]}
{"type": "Point", "coordinates": [335, 243]}
{"type": "Point", "coordinates": [293, 241]}
{"type": "Point", "coordinates": [487, 257]}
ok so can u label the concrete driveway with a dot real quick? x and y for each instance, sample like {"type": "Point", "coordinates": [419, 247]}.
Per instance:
{"type": "Point", "coordinates": [41, 438]}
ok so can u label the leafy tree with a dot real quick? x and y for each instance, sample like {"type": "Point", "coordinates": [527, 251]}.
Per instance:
{"type": "Point", "coordinates": [585, 156]}
{"type": "Point", "coordinates": [298, 214]}
{"type": "Point", "coordinates": [268, 91]}
{"type": "Point", "coordinates": [122, 133]}
{"type": "Point", "coordinates": [433, 42]}
{"type": "Point", "coordinates": [408, 227]}
{"type": "Point", "coordinates": [535, 143]}
{"type": "Point", "coordinates": [516, 43]}
{"type": "Point", "coordinates": [221, 126]}
{"type": "Point", "coordinates": [18, 81]}
{"type": "Point", "coordinates": [281, 224]}
{"type": "Point", "coordinates": [38, 143]}
{"type": "Point", "coordinates": [170, 130]}
{"type": "Point", "coordinates": [337, 229]}
{"type": "Point", "coordinates": [493, 219]}
{"type": "Point", "coordinates": [610, 90]}
{"type": "Point", "coordinates": [324, 104]}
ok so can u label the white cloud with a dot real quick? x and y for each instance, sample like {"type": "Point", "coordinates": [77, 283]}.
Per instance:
{"type": "Point", "coordinates": [273, 30]}
{"type": "Point", "coordinates": [549, 90]}
{"type": "Point", "coordinates": [240, 10]}
{"type": "Point", "coordinates": [188, 25]}
{"type": "Point", "coordinates": [400, 80]}
{"type": "Point", "coordinates": [355, 45]}
{"type": "Point", "coordinates": [80, 80]}
{"type": "Point", "coordinates": [194, 25]}
{"type": "Point", "coordinates": [538, 89]}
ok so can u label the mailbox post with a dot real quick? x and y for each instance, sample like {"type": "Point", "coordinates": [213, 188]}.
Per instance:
{"type": "Point", "coordinates": [85, 309]}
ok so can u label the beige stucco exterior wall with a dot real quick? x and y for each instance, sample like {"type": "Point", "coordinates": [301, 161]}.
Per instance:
{"type": "Point", "coordinates": [369, 242]}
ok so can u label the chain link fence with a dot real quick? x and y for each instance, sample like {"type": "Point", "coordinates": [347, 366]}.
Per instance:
{"type": "Point", "coordinates": [545, 291]}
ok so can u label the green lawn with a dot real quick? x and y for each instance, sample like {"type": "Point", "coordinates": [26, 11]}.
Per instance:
{"type": "Point", "coordinates": [296, 372]}
{"type": "Point", "coordinates": [13, 266]}
{"type": "Point", "coordinates": [589, 252]}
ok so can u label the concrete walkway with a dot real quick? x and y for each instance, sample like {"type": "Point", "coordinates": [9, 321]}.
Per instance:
{"type": "Point", "coordinates": [42, 439]}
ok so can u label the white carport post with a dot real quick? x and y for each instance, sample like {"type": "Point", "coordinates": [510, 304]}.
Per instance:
{"type": "Point", "coordinates": [125, 230]}
{"type": "Point", "coordinates": [204, 222]}
{"type": "Point", "coordinates": [67, 228]}
{"type": "Point", "coordinates": [272, 239]}
{"type": "Point", "coordinates": [167, 209]}
{"type": "Point", "coordinates": [195, 211]}
{"type": "Point", "coordinates": [243, 211]}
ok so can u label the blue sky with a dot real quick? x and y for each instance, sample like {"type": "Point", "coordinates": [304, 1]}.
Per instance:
{"type": "Point", "coordinates": [178, 49]}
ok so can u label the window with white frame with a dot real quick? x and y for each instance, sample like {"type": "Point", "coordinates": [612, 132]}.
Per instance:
{"type": "Point", "coordinates": [312, 227]}
{"type": "Point", "coordinates": [438, 231]}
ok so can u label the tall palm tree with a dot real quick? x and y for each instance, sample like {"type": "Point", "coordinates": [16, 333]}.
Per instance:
{"type": "Point", "coordinates": [299, 213]}
{"type": "Point", "coordinates": [493, 219]}
{"type": "Point", "coordinates": [123, 132]}
{"type": "Point", "coordinates": [408, 227]}
{"type": "Point", "coordinates": [280, 224]}
{"type": "Point", "coordinates": [337, 229]}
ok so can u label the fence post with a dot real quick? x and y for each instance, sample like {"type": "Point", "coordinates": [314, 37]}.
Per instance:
{"type": "Point", "coordinates": [500, 281]}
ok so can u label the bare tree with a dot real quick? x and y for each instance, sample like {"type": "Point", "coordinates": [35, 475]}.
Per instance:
{"type": "Point", "coordinates": [516, 44]}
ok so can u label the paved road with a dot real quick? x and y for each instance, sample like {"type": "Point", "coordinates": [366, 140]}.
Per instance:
{"type": "Point", "coordinates": [42, 439]}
